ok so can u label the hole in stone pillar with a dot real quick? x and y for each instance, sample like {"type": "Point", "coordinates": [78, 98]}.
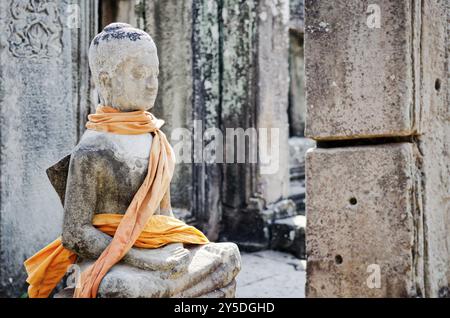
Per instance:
{"type": "Point", "coordinates": [338, 259]}
{"type": "Point", "coordinates": [353, 201]}
{"type": "Point", "coordinates": [437, 85]}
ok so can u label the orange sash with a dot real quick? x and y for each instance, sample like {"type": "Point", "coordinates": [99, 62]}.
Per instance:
{"type": "Point", "coordinates": [46, 267]}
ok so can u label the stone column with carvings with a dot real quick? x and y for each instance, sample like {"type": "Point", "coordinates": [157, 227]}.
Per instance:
{"type": "Point", "coordinates": [44, 95]}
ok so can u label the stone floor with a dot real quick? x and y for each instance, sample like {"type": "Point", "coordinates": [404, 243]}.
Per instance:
{"type": "Point", "coordinates": [271, 274]}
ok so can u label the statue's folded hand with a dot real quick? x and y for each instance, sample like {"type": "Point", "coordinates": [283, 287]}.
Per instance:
{"type": "Point", "coordinates": [172, 257]}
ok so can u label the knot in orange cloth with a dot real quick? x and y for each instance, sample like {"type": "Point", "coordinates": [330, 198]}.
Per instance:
{"type": "Point", "coordinates": [153, 193]}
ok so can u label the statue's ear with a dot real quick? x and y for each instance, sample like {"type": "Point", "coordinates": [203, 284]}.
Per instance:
{"type": "Point", "coordinates": [57, 174]}
{"type": "Point", "coordinates": [104, 80]}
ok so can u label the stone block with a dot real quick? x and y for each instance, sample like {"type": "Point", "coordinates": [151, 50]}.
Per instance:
{"type": "Point", "coordinates": [364, 219]}
{"type": "Point", "coordinates": [361, 76]}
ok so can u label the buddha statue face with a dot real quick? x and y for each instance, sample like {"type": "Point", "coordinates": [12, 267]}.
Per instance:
{"type": "Point", "coordinates": [124, 65]}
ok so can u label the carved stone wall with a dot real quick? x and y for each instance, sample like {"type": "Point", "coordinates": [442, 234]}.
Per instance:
{"type": "Point", "coordinates": [44, 92]}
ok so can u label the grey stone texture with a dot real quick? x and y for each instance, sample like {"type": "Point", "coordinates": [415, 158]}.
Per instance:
{"type": "Point", "coordinates": [39, 124]}
{"type": "Point", "coordinates": [361, 80]}
{"type": "Point", "coordinates": [434, 145]}
{"type": "Point", "coordinates": [297, 102]}
{"type": "Point", "coordinates": [272, 89]}
{"type": "Point", "coordinates": [298, 146]}
{"type": "Point", "coordinates": [208, 271]}
{"type": "Point", "coordinates": [240, 80]}
{"type": "Point", "coordinates": [365, 83]}
{"type": "Point", "coordinates": [288, 235]}
{"type": "Point", "coordinates": [207, 61]}
{"type": "Point", "coordinates": [170, 25]}
{"type": "Point", "coordinates": [106, 170]}
{"type": "Point", "coordinates": [361, 210]}
{"type": "Point", "coordinates": [205, 75]}
{"type": "Point", "coordinates": [255, 96]}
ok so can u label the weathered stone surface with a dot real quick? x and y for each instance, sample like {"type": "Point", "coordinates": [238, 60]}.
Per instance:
{"type": "Point", "coordinates": [207, 174]}
{"type": "Point", "coordinates": [363, 208]}
{"type": "Point", "coordinates": [125, 67]}
{"type": "Point", "coordinates": [272, 91]}
{"type": "Point", "coordinates": [361, 78]}
{"type": "Point", "coordinates": [237, 95]}
{"type": "Point", "coordinates": [288, 235]}
{"type": "Point", "coordinates": [297, 102]}
{"type": "Point", "coordinates": [209, 271]}
{"type": "Point", "coordinates": [57, 174]}
{"type": "Point", "coordinates": [106, 170]}
{"type": "Point", "coordinates": [39, 125]}
{"type": "Point", "coordinates": [97, 164]}
{"type": "Point", "coordinates": [298, 147]}
{"type": "Point", "coordinates": [297, 154]}
{"type": "Point", "coordinates": [434, 145]}
{"type": "Point", "coordinates": [297, 16]}
{"type": "Point", "coordinates": [257, 237]}
{"type": "Point", "coordinates": [122, 11]}
{"type": "Point", "coordinates": [397, 85]}
{"type": "Point", "coordinates": [170, 24]}
{"type": "Point", "coordinates": [255, 95]}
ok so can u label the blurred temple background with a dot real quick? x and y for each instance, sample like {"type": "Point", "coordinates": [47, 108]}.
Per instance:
{"type": "Point", "coordinates": [223, 63]}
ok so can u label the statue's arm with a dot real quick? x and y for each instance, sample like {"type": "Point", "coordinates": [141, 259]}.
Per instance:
{"type": "Point", "coordinates": [79, 235]}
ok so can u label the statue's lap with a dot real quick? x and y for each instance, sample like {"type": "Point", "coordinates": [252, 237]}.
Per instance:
{"type": "Point", "coordinates": [208, 271]}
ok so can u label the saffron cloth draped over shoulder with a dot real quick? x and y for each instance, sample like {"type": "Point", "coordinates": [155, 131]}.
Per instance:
{"type": "Point", "coordinates": [137, 227]}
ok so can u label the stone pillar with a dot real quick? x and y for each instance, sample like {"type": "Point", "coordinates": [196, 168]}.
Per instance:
{"type": "Point", "coordinates": [255, 95]}
{"type": "Point", "coordinates": [207, 55]}
{"type": "Point", "coordinates": [44, 89]}
{"type": "Point", "coordinates": [378, 183]}
{"type": "Point", "coordinates": [170, 25]}
{"type": "Point", "coordinates": [297, 104]}
{"type": "Point", "coordinates": [127, 11]}
{"type": "Point", "coordinates": [213, 77]}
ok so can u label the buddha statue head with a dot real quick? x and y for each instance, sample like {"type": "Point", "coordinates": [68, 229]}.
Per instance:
{"type": "Point", "coordinates": [124, 65]}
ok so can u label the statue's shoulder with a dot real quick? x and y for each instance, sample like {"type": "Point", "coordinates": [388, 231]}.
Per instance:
{"type": "Point", "coordinates": [90, 154]}
{"type": "Point", "coordinates": [110, 148]}
{"type": "Point", "coordinates": [92, 143]}
{"type": "Point", "coordinates": [93, 149]}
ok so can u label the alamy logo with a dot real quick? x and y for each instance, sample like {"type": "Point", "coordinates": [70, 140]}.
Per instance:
{"type": "Point", "coordinates": [374, 279]}
{"type": "Point", "coordinates": [252, 145]}
{"type": "Point", "coordinates": [374, 16]}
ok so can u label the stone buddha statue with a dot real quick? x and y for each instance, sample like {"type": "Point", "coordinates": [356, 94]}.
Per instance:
{"type": "Point", "coordinates": [105, 170]}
